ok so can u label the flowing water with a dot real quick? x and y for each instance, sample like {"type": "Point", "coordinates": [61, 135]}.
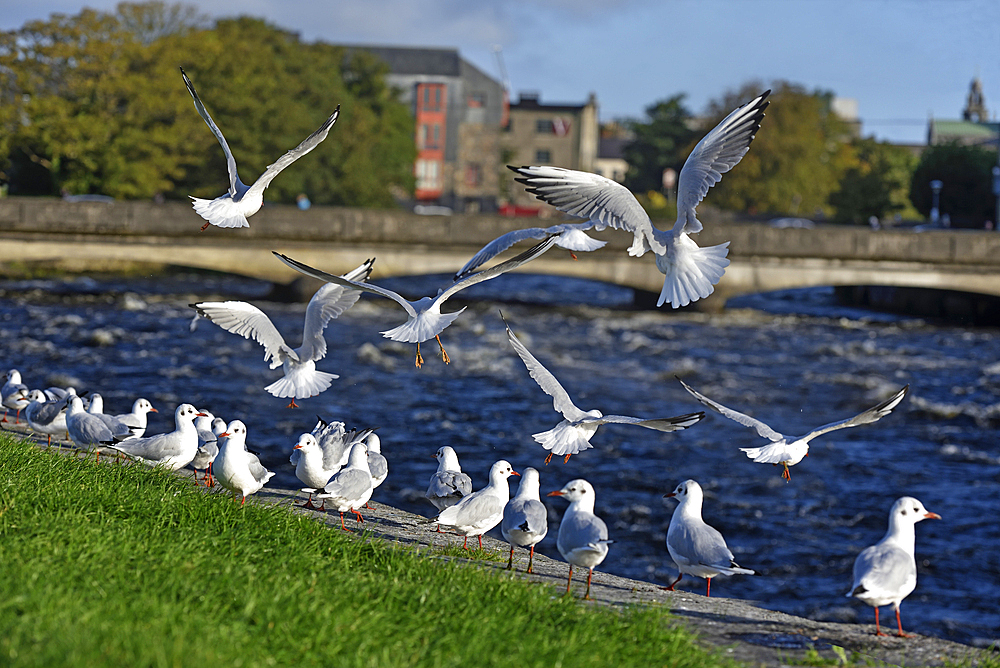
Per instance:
{"type": "Point", "coordinates": [795, 360]}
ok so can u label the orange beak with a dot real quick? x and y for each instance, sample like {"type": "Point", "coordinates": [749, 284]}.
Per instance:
{"type": "Point", "coordinates": [669, 496]}
{"type": "Point", "coordinates": [932, 516]}
{"type": "Point", "coordinates": [225, 433]}
{"type": "Point", "coordinates": [153, 410]}
{"type": "Point", "coordinates": [514, 473]}
{"type": "Point", "coordinates": [559, 493]}
{"type": "Point", "coordinates": [196, 414]}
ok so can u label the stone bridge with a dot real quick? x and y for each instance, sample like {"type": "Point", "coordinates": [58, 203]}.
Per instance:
{"type": "Point", "coordinates": [93, 236]}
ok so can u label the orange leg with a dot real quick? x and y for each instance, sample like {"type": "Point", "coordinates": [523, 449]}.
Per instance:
{"type": "Point", "coordinates": [569, 580]}
{"type": "Point", "coordinates": [292, 404]}
{"type": "Point", "coordinates": [900, 625]}
{"type": "Point", "coordinates": [878, 631]}
{"type": "Point", "coordinates": [357, 516]}
{"type": "Point", "coordinates": [444, 355]}
{"type": "Point", "coordinates": [309, 503]}
{"type": "Point", "coordinates": [510, 561]}
{"type": "Point", "coordinates": [590, 574]}
{"type": "Point", "coordinates": [573, 255]}
{"type": "Point", "coordinates": [785, 474]}
{"type": "Point", "coordinates": [465, 543]}
{"type": "Point", "coordinates": [531, 557]}
{"type": "Point", "coordinates": [671, 587]}
{"type": "Point", "coordinates": [480, 537]}
{"type": "Point", "coordinates": [420, 358]}
{"type": "Point", "coordinates": [566, 459]}
{"type": "Point", "coordinates": [205, 226]}
{"type": "Point", "coordinates": [342, 522]}
{"type": "Point", "coordinates": [548, 459]}
{"type": "Point", "coordinates": [708, 592]}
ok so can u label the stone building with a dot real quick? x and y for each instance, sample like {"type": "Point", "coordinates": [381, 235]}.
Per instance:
{"type": "Point", "coordinates": [973, 129]}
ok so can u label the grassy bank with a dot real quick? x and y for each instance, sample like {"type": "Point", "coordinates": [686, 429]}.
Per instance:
{"type": "Point", "coordinates": [109, 564]}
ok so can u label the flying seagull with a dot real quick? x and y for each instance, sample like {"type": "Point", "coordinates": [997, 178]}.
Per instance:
{"type": "Point", "coordinates": [425, 320]}
{"type": "Point", "coordinates": [690, 272]}
{"type": "Point", "coordinates": [241, 201]}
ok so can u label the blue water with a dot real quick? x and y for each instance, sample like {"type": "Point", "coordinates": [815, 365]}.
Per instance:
{"type": "Point", "coordinates": [794, 359]}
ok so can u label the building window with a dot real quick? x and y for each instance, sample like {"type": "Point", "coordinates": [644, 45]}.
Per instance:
{"type": "Point", "coordinates": [543, 126]}
{"type": "Point", "coordinates": [433, 136]}
{"type": "Point", "coordinates": [428, 173]}
{"type": "Point", "coordinates": [477, 100]}
{"type": "Point", "coordinates": [473, 174]}
{"type": "Point", "coordinates": [543, 156]}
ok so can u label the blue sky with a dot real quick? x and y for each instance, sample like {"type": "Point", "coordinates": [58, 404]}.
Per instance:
{"type": "Point", "coordinates": [903, 60]}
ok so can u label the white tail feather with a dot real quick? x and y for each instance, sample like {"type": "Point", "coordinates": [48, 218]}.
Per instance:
{"type": "Point", "coordinates": [221, 212]}
{"type": "Point", "coordinates": [301, 383]}
{"type": "Point", "coordinates": [425, 326]}
{"type": "Point", "coordinates": [690, 272]}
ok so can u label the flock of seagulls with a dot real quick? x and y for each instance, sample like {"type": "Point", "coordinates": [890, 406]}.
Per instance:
{"type": "Point", "coordinates": [341, 468]}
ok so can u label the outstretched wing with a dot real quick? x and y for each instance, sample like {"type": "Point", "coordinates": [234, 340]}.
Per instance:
{"type": "Point", "coordinates": [230, 160]}
{"type": "Point", "coordinates": [505, 241]}
{"type": "Point", "coordinates": [718, 152]}
{"type": "Point", "coordinates": [659, 424]}
{"type": "Point", "coordinates": [745, 420]}
{"type": "Point", "coordinates": [328, 303]}
{"type": "Point", "coordinates": [601, 200]}
{"type": "Point", "coordinates": [560, 398]}
{"type": "Point", "coordinates": [340, 280]}
{"type": "Point", "coordinates": [873, 414]}
{"type": "Point", "coordinates": [249, 322]}
{"type": "Point", "coordinates": [308, 144]}
{"type": "Point", "coordinates": [494, 271]}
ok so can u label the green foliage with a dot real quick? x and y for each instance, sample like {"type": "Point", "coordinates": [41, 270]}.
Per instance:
{"type": "Point", "coordinates": [96, 102]}
{"type": "Point", "coordinates": [878, 184]}
{"type": "Point", "coordinates": [796, 160]}
{"type": "Point", "coordinates": [966, 172]}
{"type": "Point", "coordinates": [660, 142]}
{"type": "Point", "coordinates": [108, 564]}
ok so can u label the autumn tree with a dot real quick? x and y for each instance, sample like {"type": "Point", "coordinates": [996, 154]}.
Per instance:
{"type": "Point", "coordinates": [797, 159]}
{"type": "Point", "coordinates": [877, 184]}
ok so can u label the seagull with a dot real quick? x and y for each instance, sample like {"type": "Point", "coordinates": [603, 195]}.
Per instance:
{"type": "Point", "coordinates": [378, 466]}
{"type": "Point", "coordinates": [573, 434]}
{"type": "Point", "coordinates": [583, 536]}
{"type": "Point", "coordinates": [525, 519]}
{"type": "Point", "coordinates": [301, 379]}
{"type": "Point", "coordinates": [45, 417]}
{"type": "Point", "coordinates": [236, 469]}
{"type": "Point", "coordinates": [351, 487]}
{"type": "Point", "coordinates": [480, 511]}
{"type": "Point", "coordinates": [571, 236]}
{"type": "Point", "coordinates": [14, 395]}
{"type": "Point", "coordinates": [886, 572]}
{"type": "Point", "coordinates": [790, 450]}
{"type": "Point", "coordinates": [425, 318]}
{"type": "Point", "coordinates": [209, 427]}
{"type": "Point", "coordinates": [448, 485]}
{"type": "Point", "coordinates": [137, 418]}
{"type": "Point", "coordinates": [241, 201]}
{"type": "Point", "coordinates": [173, 450]}
{"type": "Point", "coordinates": [315, 466]}
{"type": "Point", "coordinates": [117, 427]}
{"type": "Point", "coordinates": [88, 431]}
{"type": "Point", "coordinates": [695, 547]}
{"type": "Point", "coordinates": [690, 272]}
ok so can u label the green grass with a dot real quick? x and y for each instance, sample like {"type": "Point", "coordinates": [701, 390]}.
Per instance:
{"type": "Point", "coordinates": [123, 565]}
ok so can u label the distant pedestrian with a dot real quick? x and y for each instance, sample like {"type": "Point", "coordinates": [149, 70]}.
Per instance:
{"type": "Point", "coordinates": [303, 202]}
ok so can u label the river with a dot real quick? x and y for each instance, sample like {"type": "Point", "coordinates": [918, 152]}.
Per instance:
{"type": "Point", "coordinates": [795, 359]}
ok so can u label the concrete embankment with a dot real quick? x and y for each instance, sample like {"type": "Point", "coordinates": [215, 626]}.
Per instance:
{"type": "Point", "coordinates": [743, 630]}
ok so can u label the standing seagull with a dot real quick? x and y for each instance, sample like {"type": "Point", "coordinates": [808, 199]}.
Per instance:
{"type": "Point", "coordinates": [14, 395]}
{"type": "Point", "coordinates": [886, 572]}
{"type": "Point", "coordinates": [301, 379]}
{"type": "Point", "coordinates": [448, 484]}
{"type": "Point", "coordinates": [46, 417]}
{"type": "Point", "coordinates": [322, 453]}
{"type": "Point", "coordinates": [425, 318]}
{"type": "Point", "coordinates": [242, 201]}
{"type": "Point", "coordinates": [571, 236]}
{"type": "Point", "coordinates": [525, 519]}
{"type": "Point", "coordinates": [89, 431]}
{"type": "Point", "coordinates": [236, 469]}
{"type": "Point", "coordinates": [378, 466]}
{"type": "Point", "coordinates": [480, 511]}
{"type": "Point", "coordinates": [583, 536]}
{"type": "Point", "coordinates": [137, 419]}
{"type": "Point", "coordinates": [573, 434]}
{"type": "Point", "coordinates": [695, 547]}
{"type": "Point", "coordinates": [173, 450]}
{"type": "Point", "coordinates": [351, 487]}
{"type": "Point", "coordinates": [690, 272]}
{"type": "Point", "coordinates": [790, 450]}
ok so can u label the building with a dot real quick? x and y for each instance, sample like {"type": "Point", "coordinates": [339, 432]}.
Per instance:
{"type": "Point", "coordinates": [563, 135]}
{"type": "Point", "coordinates": [973, 129]}
{"type": "Point", "coordinates": [459, 112]}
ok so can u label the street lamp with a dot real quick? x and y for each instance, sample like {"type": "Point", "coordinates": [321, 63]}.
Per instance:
{"type": "Point", "coordinates": [996, 192]}
{"type": "Point", "coordinates": [936, 192]}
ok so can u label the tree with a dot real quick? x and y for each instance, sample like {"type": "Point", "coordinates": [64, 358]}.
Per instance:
{"type": "Point", "coordinates": [966, 172]}
{"type": "Point", "coordinates": [94, 103]}
{"type": "Point", "coordinates": [877, 185]}
{"type": "Point", "coordinates": [797, 159]}
{"type": "Point", "coordinates": [659, 144]}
